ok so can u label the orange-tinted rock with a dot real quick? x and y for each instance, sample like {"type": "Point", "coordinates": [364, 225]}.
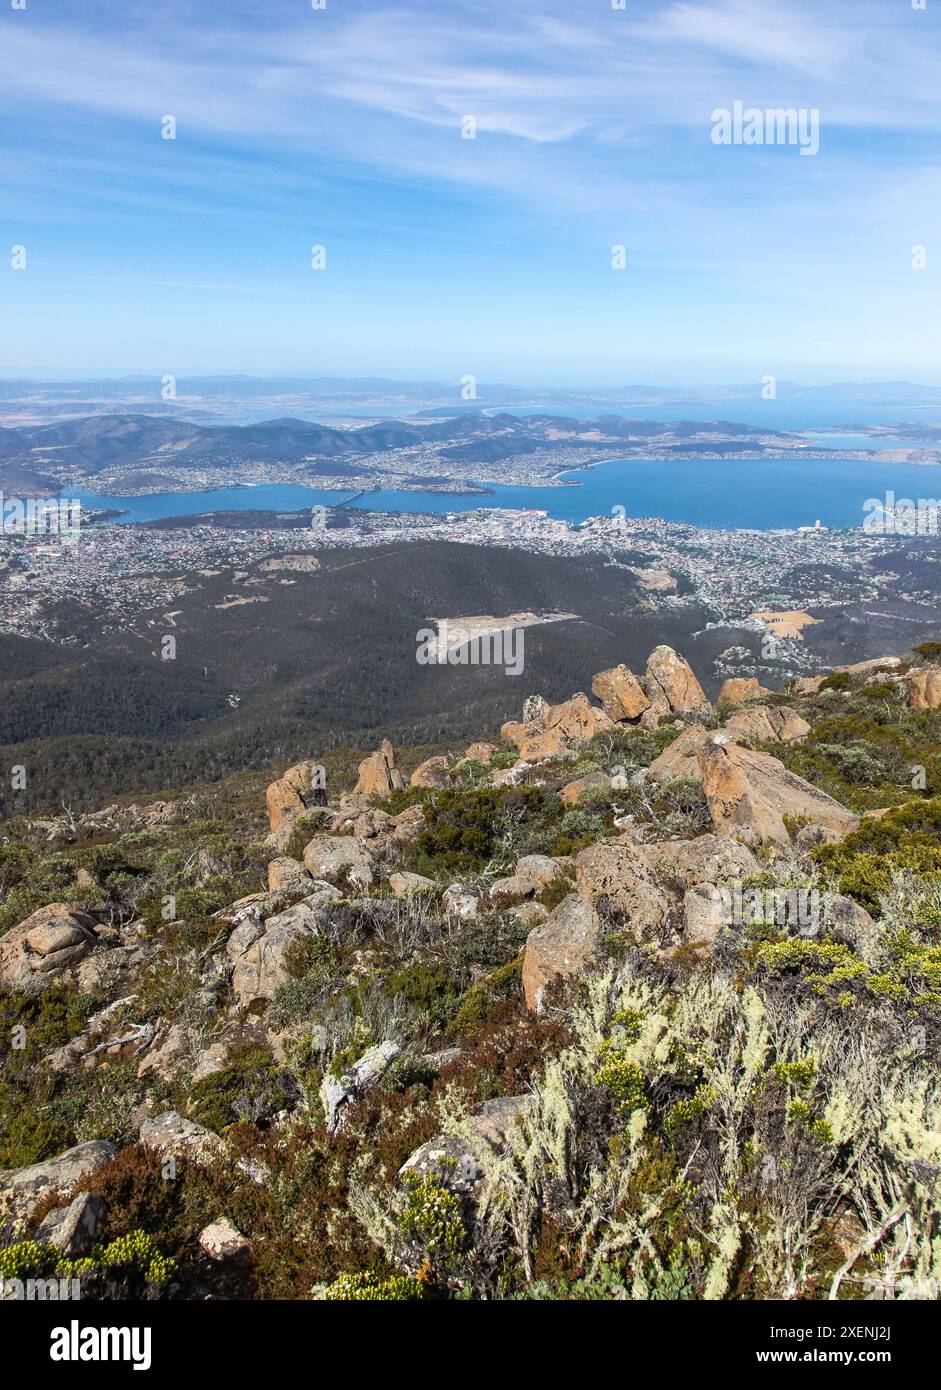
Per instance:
{"type": "Point", "coordinates": [621, 693]}
{"type": "Point", "coordinates": [378, 774]}
{"type": "Point", "coordinates": [670, 680]}
{"type": "Point", "coordinates": [550, 730]}
{"type": "Point", "coordinates": [740, 691]}
{"type": "Point", "coordinates": [749, 794]}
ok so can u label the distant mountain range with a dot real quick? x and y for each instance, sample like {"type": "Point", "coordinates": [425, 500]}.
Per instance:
{"type": "Point", "coordinates": [42, 456]}
{"type": "Point", "coordinates": [84, 395]}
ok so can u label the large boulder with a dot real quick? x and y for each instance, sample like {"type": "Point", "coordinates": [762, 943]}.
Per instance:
{"type": "Point", "coordinates": [74, 1229]}
{"type": "Point", "coordinates": [707, 859]}
{"type": "Point", "coordinates": [405, 885]}
{"type": "Point", "coordinates": [432, 773]}
{"type": "Point", "coordinates": [621, 694]}
{"type": "Point", "coordinates": [564, 944]}
{"type": "Point", "coordinates": [172, 1134]}
{"type": "Point", "coordinates": [669, 681]}
{"type": "Point", "coordinates": [750, 793]}
{"type": "Point", "coordinates": [572, 793]}
{"type": "Point", "coordinates": [547, 731]}
{"type": "Point", "coordinates": [340, 859]}
{"type": "Point", "coordinates": [739, 690]}
{"type": "Point", "coordinates": [924, 687]}
{"type": "Point", "coordinates": [21, 1189]}
{"type": "Point", "coordinates": [287, 875]}
{"type": "Point", "coordinates": [540, 871]}
{"type": "Point", "coordinates": [49, 941]}
{"type": "Point", "coordinates": [289, 797]}
{"type": "Point", "coordinates": [768, 724]}
{"type": "Point", "coordinates": [259, 951]}
{"type": "Point", "coordinates": [618, 872]}
{"type": "Point", "coordinates": [680, 759]}
{"type": "Point", "coordinates": [378, 774]}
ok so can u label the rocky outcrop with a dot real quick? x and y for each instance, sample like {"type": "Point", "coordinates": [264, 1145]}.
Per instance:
{"type": "Point", "coordinates": [258, 949]}
{"type": "Point", "coordinates": [565, 944]}
{"type": "Point", "coordinates": [707, 859]}
{"type": "Point", "coordinates": [340, 859]}
{"type": "Point", "coordinates": [618, 872]}
{"type": "Point", "coordinates": [572, 793]}
{"type": "Point", "coordinates": [21, 1189]}
{"type": "Point", "coordinates": [378, 774]}
{"type": "Point", "coordinates": [739, 690]}
{"type": "Point", "coordinates": [432, 773]}
{"type": "Point", "coordinates": [547, 731]}
{"type": "Point", "coordinates": [74, 1229]}
{"type": "Point", "coordinates": [768, 724]}
{"type": "Point", "coordinates": [289, 797]}
{"type": "Point", "coordinates": [750, 793]}
{"type": "Point", "coordinates": [670, 683]}
{"type": "Point", "coordinates": [49, 941]}
{"type": "Point", "coordinates": [923, 684]}
{"type": "Point", "coordinates": [621, 694]}
{"type": "Point", "coordinates": [680, 759]}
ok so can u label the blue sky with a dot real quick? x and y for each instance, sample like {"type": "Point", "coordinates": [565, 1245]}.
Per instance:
{"type": "Point", "coordinates": [447, 256]}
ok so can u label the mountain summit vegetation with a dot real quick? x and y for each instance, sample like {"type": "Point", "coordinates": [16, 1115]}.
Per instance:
{"type": "Point", "coordinates": [640, 999]}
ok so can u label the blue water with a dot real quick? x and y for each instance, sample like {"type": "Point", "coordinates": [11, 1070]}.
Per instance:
{"type": "Point", "coordinates": [760, 494]}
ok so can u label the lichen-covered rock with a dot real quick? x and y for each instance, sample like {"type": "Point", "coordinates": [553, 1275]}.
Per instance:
{"type": "Point", "coordinates": [287, 875]}
{"type": "Point", "coordinates": [172, 1133]}
{"type": "Point", "coordinates": [456, 1159]}
{"type": "Point", "coordinates": [74, 1229]}
{"type": "Point", "coordinates": [339, 1092]}
{"type": "Point", "coordinates": [707, 859]}
{"type": "Point", "coordinates": [705, 913]}
{"type": "Point", "coordinates": [21, 1189]}
{"type": "Point", "coordinates": [505, 892]}
{"type": "Point", "coordinates": [404, 885]}
{"type": "Point", "coordinates": [621, 694]}
{"type": "Point", "coordinates": [259, 951]}
{"type": "Point", "coordinates": [340, 859]}
{"type": "Point", "coordinates": [617, 871]}
{"type": "Point", "coordinates": [768, 724]}
{"type": "Point", "coordinates": [540, 871]}
{"type": "Point", "coordinates": [680, 759]}
{"type": "Point", "coordinates": [565, 944]}
{"type": "Point", "coordinates": [461, 901]}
